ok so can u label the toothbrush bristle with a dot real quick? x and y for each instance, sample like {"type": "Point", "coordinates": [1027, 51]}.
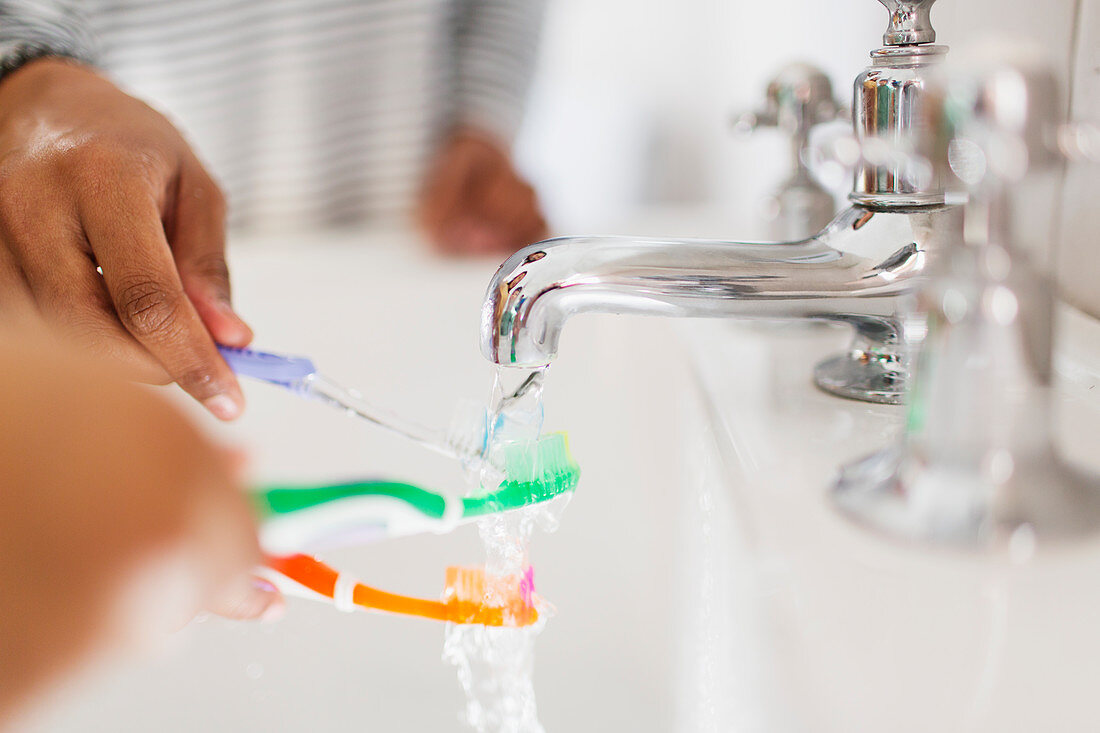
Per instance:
{"type": "Point", "coordinates": [468, 430]}
{"type": "Point", "coordinates": [465, 585]}
{"type": "Point", "coordinates": [542, 469]}
{"type": "Point", "coordinates": [475, 597]}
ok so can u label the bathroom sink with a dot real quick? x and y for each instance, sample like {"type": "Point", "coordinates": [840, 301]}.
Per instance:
{"type": "Point", "coordinates": [703, 580]}
{"type": "Point", "coordinates": [376, 311]}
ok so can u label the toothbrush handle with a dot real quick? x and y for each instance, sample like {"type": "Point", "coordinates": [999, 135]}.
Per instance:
{"type": "Point", "coordinates": [285, 371]}
{"type": "Point", "coordinates": [292, 373]}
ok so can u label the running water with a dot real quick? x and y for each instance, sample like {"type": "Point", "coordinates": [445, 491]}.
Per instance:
{"type": "Point", "coordinates": [495, 665]}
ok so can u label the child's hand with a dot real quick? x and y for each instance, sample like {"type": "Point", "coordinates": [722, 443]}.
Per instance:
{"type": "Point", "coordinates": [118, 520]}
{"type": "Point", "coordinates": [474, 201]}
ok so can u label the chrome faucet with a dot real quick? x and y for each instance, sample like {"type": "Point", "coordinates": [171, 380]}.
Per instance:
{"type": "Point", "coordinates": [856, 270]}
{"type": "Point", "coordinates": [977, 464]}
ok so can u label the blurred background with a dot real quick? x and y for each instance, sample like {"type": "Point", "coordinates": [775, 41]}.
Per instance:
{"type": "Point", "coordinates": [634, 102]}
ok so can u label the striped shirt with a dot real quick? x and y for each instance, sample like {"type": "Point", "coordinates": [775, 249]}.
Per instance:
{"type": "Point", "coordinates": [308, 112]}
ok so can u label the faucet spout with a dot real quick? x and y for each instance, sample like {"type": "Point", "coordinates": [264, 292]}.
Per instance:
{"type": "Point", "coordinates": [857, 266]}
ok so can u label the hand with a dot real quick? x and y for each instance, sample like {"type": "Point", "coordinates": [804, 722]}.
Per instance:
{"type": "Point", "coordinates": [118, 520]}
{"type": "Point", "coordinates": [475, 202]}
{"type": "Point", "coordinates": [92, 177]}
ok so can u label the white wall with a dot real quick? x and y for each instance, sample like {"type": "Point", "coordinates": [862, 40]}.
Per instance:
{"type": "Point", "coordinates": [634, 98]}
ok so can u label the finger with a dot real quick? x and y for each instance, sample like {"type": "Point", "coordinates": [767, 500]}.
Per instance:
{"type": "Point", "coordinates": [226, 536]}
{"type": "Point", "coordinates": [238, 461]}
{"type": "Point", "coordinates": [71, 294]}
{"type": "Point", "coordinates": [16, 299]}
{"type": "Point", "coordinates": [251, 598]}
{"type": "Point", "coordinates": [125, 233]}
{"type": "Point", "coordinates": [197, 238]}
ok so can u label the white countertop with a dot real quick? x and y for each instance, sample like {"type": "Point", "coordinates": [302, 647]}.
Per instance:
{"type": "Point", "coordinates": [822, 625]}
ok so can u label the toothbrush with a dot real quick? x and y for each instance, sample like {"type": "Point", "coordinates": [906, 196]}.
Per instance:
{"type": "Point", "coordinates": [294, 518]}
{"type": "Point", "coordinates": [297, 374]}
{"type": "Point", "coordinates": [467, 440]}
{"type": "Point", "coordinates": [470, 595]}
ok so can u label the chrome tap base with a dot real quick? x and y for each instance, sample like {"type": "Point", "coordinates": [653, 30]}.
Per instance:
{"type": "Point", "coordinates": [863, 375]}
{"type": "Point", "coordinates": [1045, 500]}
{"type": "Point", "coordinates": [875, 368]}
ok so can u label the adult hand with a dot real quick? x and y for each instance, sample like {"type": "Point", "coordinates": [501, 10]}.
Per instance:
{"type": "Point", "coordinates": [475, 202]}
{"type": "Point", "coordinates": [118, 520]}
{"type": "Point", "coordinates": [91, 177]}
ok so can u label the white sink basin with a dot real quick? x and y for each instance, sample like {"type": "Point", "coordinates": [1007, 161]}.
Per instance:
{"type": "Point", "coordinates": [703, 580]}
{"type": "Point", "coordinates": [378, 313]}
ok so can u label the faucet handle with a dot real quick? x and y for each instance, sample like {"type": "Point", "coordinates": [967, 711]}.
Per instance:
{"type": "Point", "coordinates": [910, 22]}
{"type": "Point", "coordinates": [997, 116]}
{"type": "Point", "coordinates": [797, 98]}
{"type": "Point", "coordinates": [978, 463]}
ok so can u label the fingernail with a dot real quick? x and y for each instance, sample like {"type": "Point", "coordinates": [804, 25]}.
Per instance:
{"type": "Point", "coordinates": [265, 585]}
{"type": "Point", "coordinates": [223, 407]}
{"type": "Point", "coordinates": [276, 608]}
{"type": "Point", "coordinates": [243, 331]}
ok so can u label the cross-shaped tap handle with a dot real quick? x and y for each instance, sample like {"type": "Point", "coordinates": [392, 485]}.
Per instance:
{"type": "Point", "coordinates": [910, 22]}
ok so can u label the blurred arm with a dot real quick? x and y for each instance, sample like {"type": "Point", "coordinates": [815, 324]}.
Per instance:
{"type": "Point", "coordinates": [31, 29]}
{"type": "Point", "coordinates": [496, 45]}
{"type": "Point", "coordinates": [474, 200]}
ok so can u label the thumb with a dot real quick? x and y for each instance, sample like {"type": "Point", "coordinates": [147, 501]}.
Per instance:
{"type": "Point", "coordinates": [251, 597]}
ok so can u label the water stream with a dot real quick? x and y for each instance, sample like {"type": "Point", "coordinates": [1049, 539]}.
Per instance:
{"type": "Point", "coordinates": [496, 665]}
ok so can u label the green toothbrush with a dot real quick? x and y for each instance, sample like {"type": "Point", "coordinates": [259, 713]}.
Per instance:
{"type": "Point", "coordinates": [297, 518]}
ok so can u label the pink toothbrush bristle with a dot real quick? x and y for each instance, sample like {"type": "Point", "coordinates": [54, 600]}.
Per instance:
{"type": "Point", "coordinates": [527, 586]}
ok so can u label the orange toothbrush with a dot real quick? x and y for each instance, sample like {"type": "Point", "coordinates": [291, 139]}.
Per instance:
{"type": "Point", "coordinates": [469, 597]}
